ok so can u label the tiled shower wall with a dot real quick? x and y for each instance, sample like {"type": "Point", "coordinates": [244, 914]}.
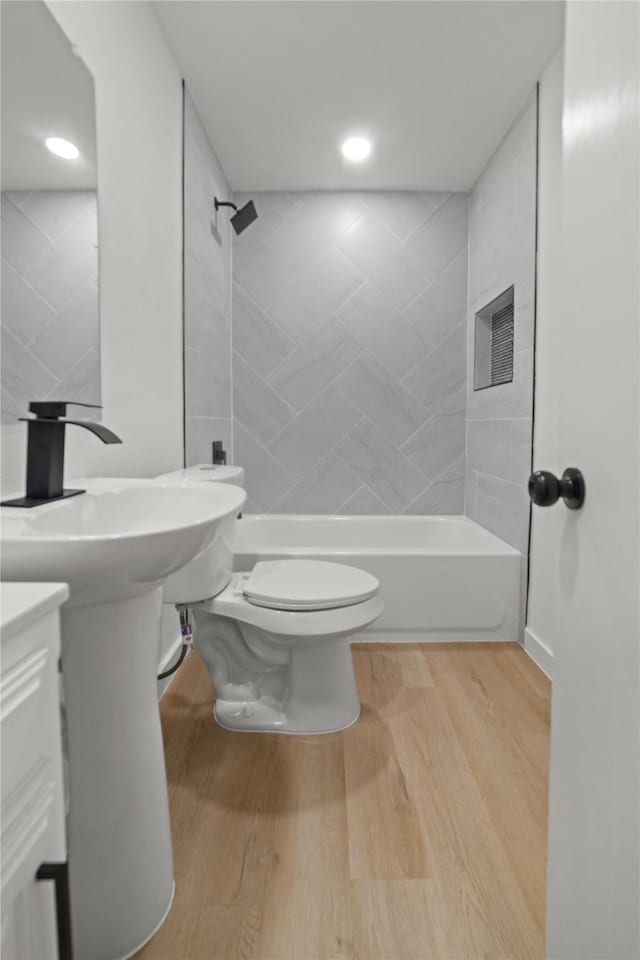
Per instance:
{"type": "Point", "coordinates": [349, 362]}
{"type": "Point", "coordinates": [207, 296]}
{"type": "Point", "coordinates": [50, 313]}
{"type": "Point", "coordinates": [502, 238]}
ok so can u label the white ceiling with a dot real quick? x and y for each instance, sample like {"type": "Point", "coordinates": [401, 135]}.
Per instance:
{"type": "Point", "coordinates": [46, 91]}
{"type": "Point", "coordinates": [435, 84]}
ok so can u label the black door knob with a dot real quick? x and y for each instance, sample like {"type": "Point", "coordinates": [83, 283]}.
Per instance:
{"type": "Point", "coordinates": [545, 488]}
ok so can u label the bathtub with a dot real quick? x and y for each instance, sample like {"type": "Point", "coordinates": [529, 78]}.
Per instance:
{"type": "Point", "coordinates": [442, 578]}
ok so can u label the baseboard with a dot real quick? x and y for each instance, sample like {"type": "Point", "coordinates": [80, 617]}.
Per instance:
{"type": "Point", "coordinates": [539, 652]}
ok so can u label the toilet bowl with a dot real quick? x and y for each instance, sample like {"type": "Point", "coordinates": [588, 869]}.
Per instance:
{"type": "Point", "coordinates": [276, 639]}
{"type": "Point", "coordinates": [276, 644]}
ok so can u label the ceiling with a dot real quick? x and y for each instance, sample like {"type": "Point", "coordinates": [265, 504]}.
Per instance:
{"type": "Point", "coordinates": [434, 83]}
{"type": "Point", "coordinates": [46, 91]}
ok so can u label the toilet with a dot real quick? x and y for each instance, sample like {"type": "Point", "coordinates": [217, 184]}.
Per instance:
{"type": "Point", "coordinates": [276, 639]}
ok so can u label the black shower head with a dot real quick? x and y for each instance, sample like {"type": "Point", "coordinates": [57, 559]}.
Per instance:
{"type": "Point", "coordinates": [243, 217]}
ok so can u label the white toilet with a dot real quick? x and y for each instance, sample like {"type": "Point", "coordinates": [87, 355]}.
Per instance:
{"type": "Point", "coordinates": [276, 639]}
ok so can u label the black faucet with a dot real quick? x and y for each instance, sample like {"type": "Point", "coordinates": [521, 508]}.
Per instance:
{"type": "Point", "coordinates": [45, 451]}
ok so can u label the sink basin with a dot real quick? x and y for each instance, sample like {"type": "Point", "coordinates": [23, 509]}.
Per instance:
{"type": "Point", "coordinates": [114, 546]}
{"type": "Point", "coordinates": [119, 538]}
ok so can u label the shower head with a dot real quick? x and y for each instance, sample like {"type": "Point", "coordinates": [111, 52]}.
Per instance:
{"type": "Point", "coordinates": [243, 217]}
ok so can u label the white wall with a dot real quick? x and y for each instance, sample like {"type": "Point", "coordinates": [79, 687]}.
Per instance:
{"type": "Point", "coordinates": [139, 134]}
{"type": "Point", "coordinates": [543, 583]}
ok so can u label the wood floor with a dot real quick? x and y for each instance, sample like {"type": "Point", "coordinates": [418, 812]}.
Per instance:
{"type": "Point", "coordinates": [420, 832]}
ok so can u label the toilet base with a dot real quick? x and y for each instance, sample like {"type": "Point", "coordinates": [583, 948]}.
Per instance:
{"type": "Point", "coordinates": [266, 718]}
{"type": "Point", "coordinates": [321, 695]}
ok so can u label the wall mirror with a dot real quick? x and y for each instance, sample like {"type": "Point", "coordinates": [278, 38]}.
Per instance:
{"type": "Point", "coordinates": [50, 302]}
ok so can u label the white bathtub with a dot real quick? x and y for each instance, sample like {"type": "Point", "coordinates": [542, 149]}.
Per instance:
{"type": "Point", "coordinates": [443, 578]}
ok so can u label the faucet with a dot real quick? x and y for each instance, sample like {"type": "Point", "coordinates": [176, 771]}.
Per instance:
{"type": "Point", "coordinates": [45, 451]}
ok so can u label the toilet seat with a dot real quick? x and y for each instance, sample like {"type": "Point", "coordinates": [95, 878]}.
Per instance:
{"type": "Point", "coordinates": [308, 585]}
{"type": "Point", "coordinates": [305, 626]}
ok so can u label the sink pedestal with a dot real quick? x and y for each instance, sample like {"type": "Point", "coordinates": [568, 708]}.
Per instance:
{"type": "Point", "coordinates": [120, 861]}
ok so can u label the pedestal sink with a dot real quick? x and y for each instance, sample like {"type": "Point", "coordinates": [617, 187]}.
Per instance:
{"type": "Point", "coordinates": [114, 545]}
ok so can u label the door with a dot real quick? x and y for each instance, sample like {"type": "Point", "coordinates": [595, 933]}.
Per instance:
{"type": "Point", "coordinates": [594, 840]}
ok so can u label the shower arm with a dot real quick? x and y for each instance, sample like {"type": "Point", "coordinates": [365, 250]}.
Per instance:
{"type": "Point", "coordinates": [223, 203]}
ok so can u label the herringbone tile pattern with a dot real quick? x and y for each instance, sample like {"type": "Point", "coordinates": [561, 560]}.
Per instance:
{"type": "Point", "coordinates": [349, 366]}
{"type": "Point", "coordinates": [50, 313]}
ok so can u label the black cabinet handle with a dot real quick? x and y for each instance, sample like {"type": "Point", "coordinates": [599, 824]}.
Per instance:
{"type": "Point", "coordinates": [545, 488]}
{"type": "Point", "coordinates": [59, 873]}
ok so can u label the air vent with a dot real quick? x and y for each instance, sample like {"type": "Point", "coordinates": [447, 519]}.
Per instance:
{"type": "Point", "coordinates": [494, 342]}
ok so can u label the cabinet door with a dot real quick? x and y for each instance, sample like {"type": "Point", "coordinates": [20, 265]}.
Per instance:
{"type": "Point", "coordinates": [32, 805]}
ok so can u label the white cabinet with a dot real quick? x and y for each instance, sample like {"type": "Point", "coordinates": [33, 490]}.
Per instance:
{"type": "Point", "coordinates": [32, 808]}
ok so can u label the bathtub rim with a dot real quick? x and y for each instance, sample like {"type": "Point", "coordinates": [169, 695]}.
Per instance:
{"type": "Point", "coordinates": [501, 547]}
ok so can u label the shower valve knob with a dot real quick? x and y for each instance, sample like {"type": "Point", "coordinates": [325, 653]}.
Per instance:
{"type": "Point", "coordinates": [545, 489]}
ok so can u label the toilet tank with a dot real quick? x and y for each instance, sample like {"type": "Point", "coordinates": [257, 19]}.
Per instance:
{"type": "Point", "coordinates": [209, 573]}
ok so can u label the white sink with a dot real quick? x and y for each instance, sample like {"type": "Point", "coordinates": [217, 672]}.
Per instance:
{"type": "Point", "coordinates": [114, 546]}
{"type": "Point", "coordinates": [117, 539]}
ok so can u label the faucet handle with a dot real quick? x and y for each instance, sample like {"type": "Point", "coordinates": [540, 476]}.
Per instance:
{"type": "Point", "coordinates": [57, 408]}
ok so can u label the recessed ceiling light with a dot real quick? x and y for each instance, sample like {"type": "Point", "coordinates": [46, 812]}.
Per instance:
{"type": "Point", "coordinates": [356, 148]}
{"type": "Point", "coordinates": [62, 148]}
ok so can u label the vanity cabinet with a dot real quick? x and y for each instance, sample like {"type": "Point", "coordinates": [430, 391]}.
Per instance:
{"type": "Point", "coordinates": [35, 912]}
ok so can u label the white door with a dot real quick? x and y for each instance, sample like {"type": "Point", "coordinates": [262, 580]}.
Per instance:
{"type": "Point", "coordinates": [594, 838]}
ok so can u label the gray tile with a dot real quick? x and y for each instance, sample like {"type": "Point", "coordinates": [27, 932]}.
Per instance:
{"type": "Point", "coordinates": [489, 447]}
{"type": "Point", "coordinates": [200, 432]}
{"type": "Point", "coordinates": [442, 372]}
{"type": "Point", "coordinates": [401, 211]}
{"type": "Point", "coordinates": [375, 323]}
{"type": "Point", "coordinates": [470, 482]}
{"type": "Point", "coordinates": [206, 329]}
{"type": "Point", "coordinates": [256, 405]}
{"type": "Point", "coordinates": [23, 376]}
{"type": "Point", "coordinates": [262, 272]}
{"type": "Point", "coordinates": [315, 225]}
{"type": "Point", "coordinates": [305, 298]}
{"type": "Point", "coordinates": [323, 490]}
{"type": "Point", "coordinates": [255, 336]}
{"type": "Point", "coordinates": [381, 465]}
{"type": "Point", "coordinates": [512, 400]}
{"type": "Point", "coordinates": [496, 218]}
{"type": "Point", "coordinates": [441, 441]}
{"type": "Point", "coordinates": [10, 408]}
{"type": "Point", "coordinates": [525, 180]}
{"type": "Point", "coordinates": [503, 508]}
{"type": "Point", "coordinates": [273, 208]}
{"type": "Point", "coordinates": [511, 261]}
{"type": "Point", "coordinates": [382, 258]}
{"type": "Point", "coordinates": [314, 432]}
{"type": "Point", "coordinates": [24, 311]}
{"type": "Point", "coordinates": [445, 496]}
{"type": "Point", "coordinates": [265, 478]}
{"type": "Point", "coordinates": [22, 242]}
{"type": "Point", "coordinates": [381, 397]}
{"type": "Point", "coordinates": [521, 444]}
{"type": "Point", "coordinates": [82, 383]}
{"type": "Point", "coordinates": [314, 364]}
{"type": "Point", "coordinates": [207, 385]}
{"type": "Point", "coordinates": [54, 211]}
{"type": "Point", "coordinates": [73, 332]}
{"type": "Point", "coordinates": [443, 304]}
{"type": "Point", "coordinates": [443, 236]}
{"type": "Point", "coordinates": [67, 264]}
{"type": "Point", "coordinates": [365, 503]}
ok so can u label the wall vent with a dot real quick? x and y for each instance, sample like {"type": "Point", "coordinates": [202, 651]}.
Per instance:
{"type": "Point", "coordinates": [494, 342]}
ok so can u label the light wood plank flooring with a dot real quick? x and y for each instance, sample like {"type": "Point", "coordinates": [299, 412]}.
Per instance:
{"type": "Point", "coordinates": [420, 832]}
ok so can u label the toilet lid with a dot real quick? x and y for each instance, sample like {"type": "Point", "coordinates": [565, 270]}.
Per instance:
{"type": "Point", "coordinates": [308, 585]}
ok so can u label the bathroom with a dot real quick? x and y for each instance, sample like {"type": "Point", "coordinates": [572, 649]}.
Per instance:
{"type": "Point", "coordinates": [320, 638]}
